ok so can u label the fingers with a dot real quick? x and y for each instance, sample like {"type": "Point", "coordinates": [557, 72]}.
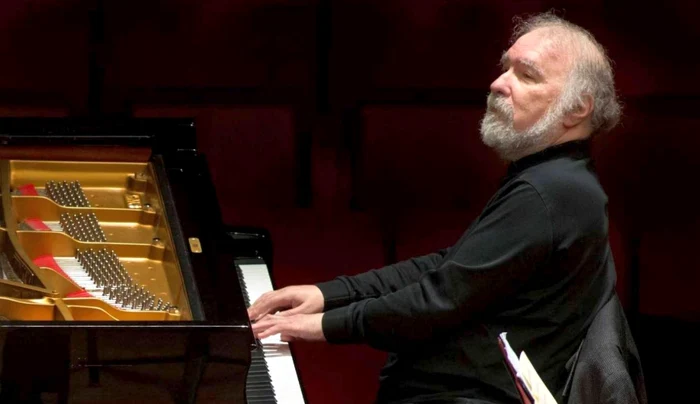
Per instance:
{"type": "Point", "coordinates": [265, 322]}
{"type": "Point", "coordinates": [269, 303]}
{"type": "Point", "coordinates": [291, 300]}
{"type": "Point", "coordinates": [287, 338]}
{"type": "Point", "coordinates": [256, 310]}
{"type": "Point", "coordinates": [276, 329]}
{"type": "Point", "coordinates": [271, 324]}
{"type": "Point", "coordinates": [307, 327]}
{"type": "Point", "coordinates": [294, 310]}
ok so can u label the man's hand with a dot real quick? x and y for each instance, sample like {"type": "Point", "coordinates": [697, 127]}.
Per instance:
{"type": "Point", "coordinates": [304, 299]}
{"type": "Point", "coordinates": [306, 327]}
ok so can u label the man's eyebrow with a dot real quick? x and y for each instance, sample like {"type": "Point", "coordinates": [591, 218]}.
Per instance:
{"type": "Point", "coordinates": [530, 65]}
{"type": "Point", "coordinates": [505, 60]}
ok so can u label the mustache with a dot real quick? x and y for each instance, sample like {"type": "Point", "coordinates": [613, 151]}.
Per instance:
{"type": "Point", "coordinates": [497, 103]}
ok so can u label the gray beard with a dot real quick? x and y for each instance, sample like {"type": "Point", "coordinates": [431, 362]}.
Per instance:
{"type": "Point", "coordinates": [498, 133]}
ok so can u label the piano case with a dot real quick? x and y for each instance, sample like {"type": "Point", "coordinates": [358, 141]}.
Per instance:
{"type": "Point", "coordinates": [117, 278]}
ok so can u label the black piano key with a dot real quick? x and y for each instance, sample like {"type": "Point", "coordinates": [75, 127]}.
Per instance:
{"type": "Point", "coordinates": [244, 288]}
{"type": "Point", "coordinates": [260, 392]}
{"type": "Point", "coordinates": [258, 378]}
{"type": "Point", "coordinates": [259, 388]}
{"type": "Point", "coordinates": [258, 383]}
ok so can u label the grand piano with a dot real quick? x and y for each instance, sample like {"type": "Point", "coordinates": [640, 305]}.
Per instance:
{"type": "Point", "coordinates": [118, 280]}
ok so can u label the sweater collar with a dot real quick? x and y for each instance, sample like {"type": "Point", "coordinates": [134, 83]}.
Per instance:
{"type": "Point", "coordinates": [576, 149]}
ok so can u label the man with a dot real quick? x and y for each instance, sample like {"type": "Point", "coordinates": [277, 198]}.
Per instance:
{"type": "Point", "coordinates": [536, 263]}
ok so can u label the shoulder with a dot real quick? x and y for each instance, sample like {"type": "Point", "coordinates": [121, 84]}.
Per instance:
{"type": "Point", "coordinates": [573, 196]}
{"type": "Point", "coordinates": [516, 192]}
{"type": "Point", "coordinates": [566, 182]}
{"type": "Point", "coordinates": [517, 202]}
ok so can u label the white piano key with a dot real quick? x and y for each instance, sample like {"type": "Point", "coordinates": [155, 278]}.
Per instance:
{"type": "Point", "coordinates": [278, 357]}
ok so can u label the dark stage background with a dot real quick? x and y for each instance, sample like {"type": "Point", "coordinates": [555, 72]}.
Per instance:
{"type": "Point", "coordinates": [349, 129]}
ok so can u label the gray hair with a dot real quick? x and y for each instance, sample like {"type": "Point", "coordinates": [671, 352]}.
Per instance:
{"type": "Point", "coordinates": [591, 73]}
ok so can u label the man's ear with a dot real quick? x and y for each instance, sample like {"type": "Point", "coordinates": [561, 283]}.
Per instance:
{"type": "Point", "coordinates": [580, 113]}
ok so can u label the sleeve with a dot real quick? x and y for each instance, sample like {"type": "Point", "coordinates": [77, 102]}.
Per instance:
{"type": "Point", "coordinates": [500, 253]}
{"type": "Point", "coordinates": [377, 282]}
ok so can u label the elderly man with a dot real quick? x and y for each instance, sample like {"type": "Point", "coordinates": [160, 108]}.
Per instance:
{"type": "Point", "coordinates": [536, 263]}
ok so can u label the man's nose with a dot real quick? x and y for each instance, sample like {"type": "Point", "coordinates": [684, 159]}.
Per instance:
{"type": "Point", "coordinates": [500, 85]}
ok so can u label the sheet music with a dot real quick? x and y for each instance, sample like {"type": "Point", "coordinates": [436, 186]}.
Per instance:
{"type": "Point", "coordinates": [526, 375]}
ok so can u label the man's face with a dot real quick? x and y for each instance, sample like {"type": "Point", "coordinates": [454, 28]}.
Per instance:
{"type": "Point", "coordinates": [523, 111]}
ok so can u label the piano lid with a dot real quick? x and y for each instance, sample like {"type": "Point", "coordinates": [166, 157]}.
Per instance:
{"type": "Point", "coordinates": [160, 135]}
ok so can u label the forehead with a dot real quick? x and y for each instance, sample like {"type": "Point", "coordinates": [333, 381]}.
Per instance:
{"type": "Point", "coordinates": [538, 49]}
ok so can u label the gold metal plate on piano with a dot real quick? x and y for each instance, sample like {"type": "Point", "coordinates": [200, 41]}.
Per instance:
{"type": "Point", "coordinates": [133, 201]}
{"type": "Point", "coordinates": [195, 245]}
{"type": "Point", "coordinates": [87, 241]}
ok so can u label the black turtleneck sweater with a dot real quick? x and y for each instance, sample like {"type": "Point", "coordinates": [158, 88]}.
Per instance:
{"type": "Point", "coordinates": [536, 264]}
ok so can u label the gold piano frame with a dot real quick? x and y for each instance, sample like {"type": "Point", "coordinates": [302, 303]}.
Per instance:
{"type": "Point", "coordinates": [128, 204]}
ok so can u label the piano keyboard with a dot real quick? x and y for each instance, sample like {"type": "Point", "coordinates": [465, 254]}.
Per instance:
{"type": "Point", "coordinates": [275, 359]}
